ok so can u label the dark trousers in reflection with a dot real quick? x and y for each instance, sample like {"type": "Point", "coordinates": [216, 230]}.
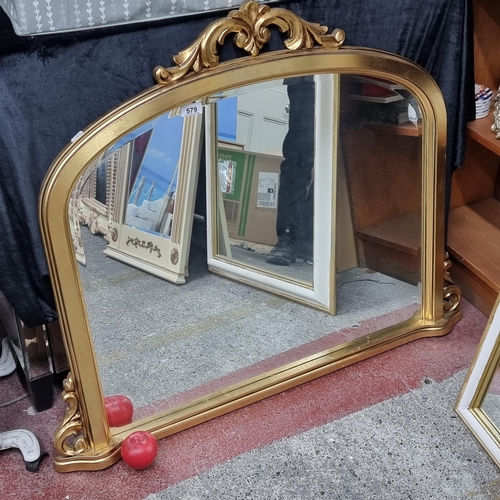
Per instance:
{"type": "Point", "coordinates": [295, 199]}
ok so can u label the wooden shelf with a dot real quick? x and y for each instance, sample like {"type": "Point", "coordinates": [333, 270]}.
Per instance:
{"type": "Point", "coordinates": [392, 247]}
{"type": "Point", "coordinates": [474, 240]}
{"type": "Point", "coordinates": [400, 233]}
{"type": "Point", "coordinates": [480, 131]}
{"type": "Point", "coordinates": [409, 130]}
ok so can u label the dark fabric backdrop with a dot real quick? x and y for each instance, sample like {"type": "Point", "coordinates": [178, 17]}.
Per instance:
{"type": "Point", "coordinates": [53, 86]}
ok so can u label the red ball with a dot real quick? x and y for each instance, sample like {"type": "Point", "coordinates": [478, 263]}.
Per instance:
{"type": "Point", "coordinates": [119, 410]}
{"type": "Point", "coordinates": [139, 450]}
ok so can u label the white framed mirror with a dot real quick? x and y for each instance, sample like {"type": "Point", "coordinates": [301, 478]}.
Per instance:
{"type": "Point", "coordinates": [270, 187]}
{"type": "Point", "coordinates": [479, 401]}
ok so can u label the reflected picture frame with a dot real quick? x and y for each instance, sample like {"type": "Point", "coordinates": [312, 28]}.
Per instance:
{"type": "Point", "coordinates": [84, 207]}
{"type": "Point", "coordinates": [93, 213]}
{"type": "Point", "coordinates": [320, 294]}
{"type": "Point", "coordinates": [164, 257]}
{"type": "Point", "coordinates": [477, 382]}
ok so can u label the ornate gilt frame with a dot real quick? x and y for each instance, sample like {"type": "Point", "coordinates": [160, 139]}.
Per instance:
{"type": "Point", "coordinates": [84, 441]}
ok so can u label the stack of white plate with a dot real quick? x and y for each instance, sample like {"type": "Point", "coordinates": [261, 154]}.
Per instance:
{"type": "Point", "coordinates": [483, 100]}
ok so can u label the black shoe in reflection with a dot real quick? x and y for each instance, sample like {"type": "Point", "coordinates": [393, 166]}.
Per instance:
{"type": "Point", "coordinates": [284, 252]}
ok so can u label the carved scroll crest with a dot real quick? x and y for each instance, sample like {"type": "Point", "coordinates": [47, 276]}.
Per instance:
{"type": "Point", "coordinates": [451, 292]}
{"type": "Point", "coordinates": [251, 27]}
{"type": "Point", "coordinates": [70, 439]}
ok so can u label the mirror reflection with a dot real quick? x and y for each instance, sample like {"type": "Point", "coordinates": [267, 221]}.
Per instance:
{"type": "Point", "coordinates": [381, 169]}
{"type": "Point", "coordinates": [152, 174]}
{"type": "Point", "coordinates": [162, 345]}
{"type": "Point", "coordinates": [265, 160]}
{"type": "Point", "coordinates": [491, 401]}
{"type": "Point", "coordinates": [150, 201]}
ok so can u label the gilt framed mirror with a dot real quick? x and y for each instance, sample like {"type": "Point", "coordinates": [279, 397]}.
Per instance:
{"type": "Point", "coordinates": [184, 355]}
{"type": "Point", "coordinates": [479, 401]}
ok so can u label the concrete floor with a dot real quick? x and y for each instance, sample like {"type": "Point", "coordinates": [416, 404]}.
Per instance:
{"type": "Point", "coordinates": [410, 447]}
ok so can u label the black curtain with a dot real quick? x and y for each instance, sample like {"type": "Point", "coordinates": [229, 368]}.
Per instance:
{"type": "Point", "coordinates": [52, 86]}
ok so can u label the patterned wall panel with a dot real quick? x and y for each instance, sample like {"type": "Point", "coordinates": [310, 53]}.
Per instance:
{"type": "Point", "coordinates": [32, 17]}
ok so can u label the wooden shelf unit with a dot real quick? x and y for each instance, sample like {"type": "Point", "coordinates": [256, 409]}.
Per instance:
{"type": "Point", "coordinates": [480, 131]}
{"type": "Point", "coordinates": [474, 245]}
{"type": "Point", "coordinates": [386, 215]}
{"type": "Point", "coordinates": [474, 220]}
{"type": "Point", "coordinates": [393, 247]}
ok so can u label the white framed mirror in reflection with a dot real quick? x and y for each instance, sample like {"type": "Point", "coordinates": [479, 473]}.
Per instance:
{"type": "Point", "coordinates": [186, 354]}
{"type": "Point", "coordinates": [479, 401]}
{"type": "Point", "coordinates": [270, 171]}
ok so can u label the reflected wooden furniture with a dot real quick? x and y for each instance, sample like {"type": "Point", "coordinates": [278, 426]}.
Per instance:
{"type": "Point", "coordinates": [474, 220]}
{"type": "Point", "coordinates": [382, 163]}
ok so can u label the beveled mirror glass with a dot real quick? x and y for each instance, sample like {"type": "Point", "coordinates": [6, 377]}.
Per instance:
{"type": "Point", "coordinates": [479, 402]}
{"type": "Point", "coordinates": [186, 354]}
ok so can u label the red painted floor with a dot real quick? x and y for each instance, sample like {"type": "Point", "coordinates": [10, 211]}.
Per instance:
{"type": "Point", "coordinates": [193, 451]}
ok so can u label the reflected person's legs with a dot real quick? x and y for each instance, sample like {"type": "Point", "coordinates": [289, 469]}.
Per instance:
{"type": "Point", "coordinates": [305, 243]}
{"type": "Point", "coordinates": [294, 224]}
